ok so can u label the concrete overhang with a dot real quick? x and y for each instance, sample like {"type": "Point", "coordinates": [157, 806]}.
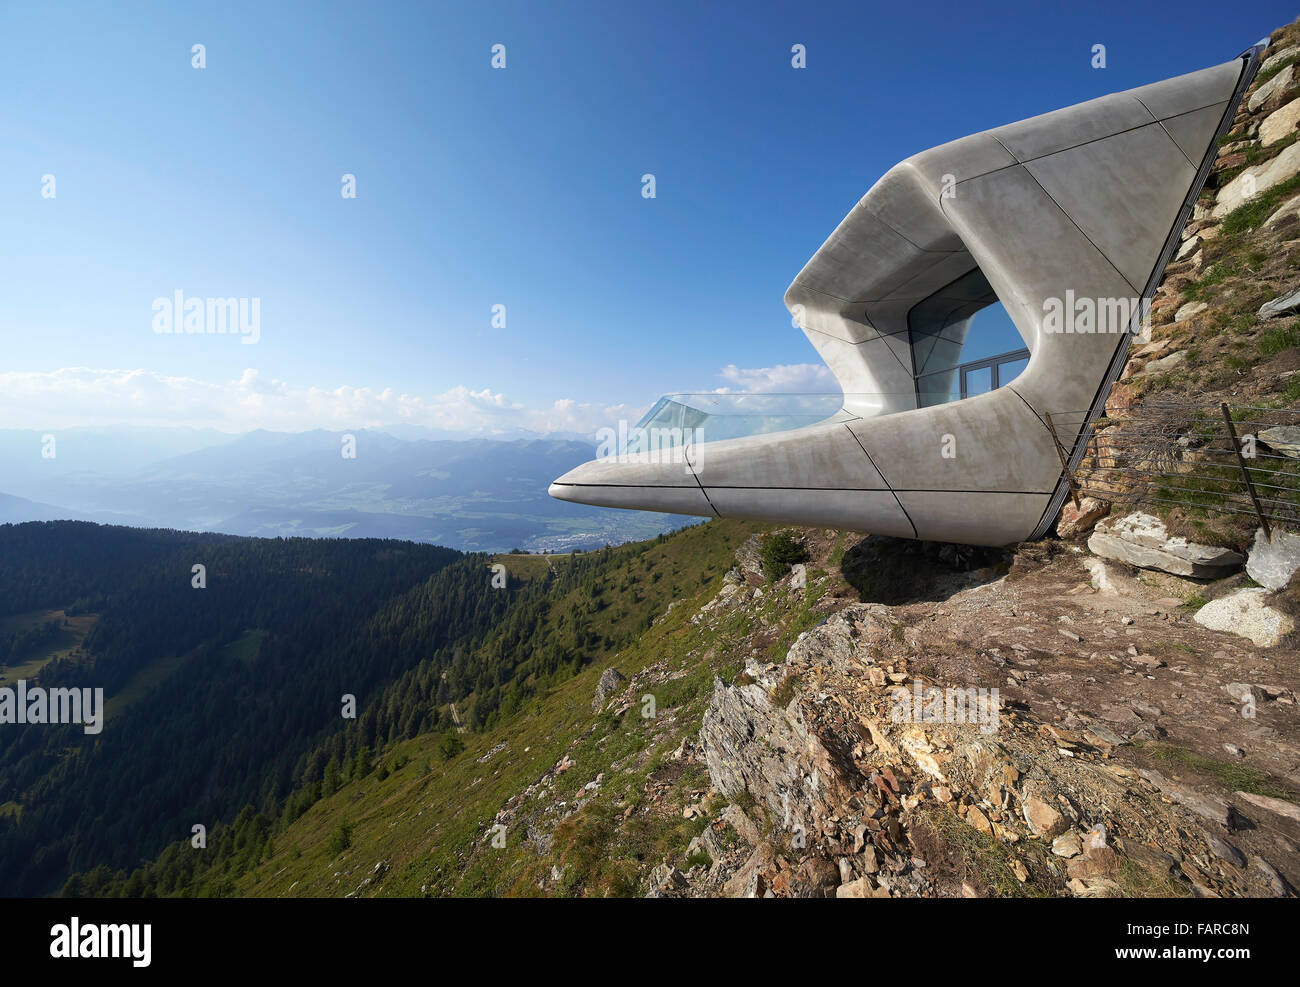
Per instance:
{"type": "Point", "coordinates": [1081, 206]}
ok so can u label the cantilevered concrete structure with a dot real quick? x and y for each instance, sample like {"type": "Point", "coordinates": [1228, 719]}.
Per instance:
{"type": "Point", "coordinates": [1068, 219]}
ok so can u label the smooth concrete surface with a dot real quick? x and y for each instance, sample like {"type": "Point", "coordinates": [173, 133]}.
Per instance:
{"type": "Point", "coordinates": [1084, 202]}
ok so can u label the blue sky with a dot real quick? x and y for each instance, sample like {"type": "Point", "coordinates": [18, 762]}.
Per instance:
{"type": "Point", "coordinates": [478, 187]}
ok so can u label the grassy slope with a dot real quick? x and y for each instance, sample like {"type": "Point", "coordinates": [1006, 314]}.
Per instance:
{"type": "Point", "coordinates": [428, 820]}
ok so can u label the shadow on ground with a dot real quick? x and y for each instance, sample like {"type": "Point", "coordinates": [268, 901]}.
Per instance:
{"type": "Point", "coordinates": [902, 570]}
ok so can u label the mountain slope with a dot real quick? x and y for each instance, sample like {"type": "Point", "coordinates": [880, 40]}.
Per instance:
{"type": "Point", "coordinates": [771, 761]}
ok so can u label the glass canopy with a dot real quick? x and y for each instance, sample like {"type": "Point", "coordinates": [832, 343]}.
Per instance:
{"type": "Point", "coordinates": [709, 417]}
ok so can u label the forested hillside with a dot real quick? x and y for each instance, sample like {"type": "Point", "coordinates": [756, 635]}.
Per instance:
{"type": "Point", "coordinates": [563, 615]}
{"type": "Point", "coordinates": [229, 696]}
{"type": "Point", "coordinates": [213, 694]}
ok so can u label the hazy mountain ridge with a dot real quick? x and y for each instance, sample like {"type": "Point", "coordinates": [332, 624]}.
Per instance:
{"type": "Point", "coordinates": [470, 494]}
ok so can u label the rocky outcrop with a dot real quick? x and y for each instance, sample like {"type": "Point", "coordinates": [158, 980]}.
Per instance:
{"type": "Point", "coordinates": [828, 768]}
{"type": "Point", "coordinates": [611, 680]}
{"type": "Point", "coordinates": [749, 562]}
{"type": "Point", "coordinates": [1142, 540]}
{"type": "Point", "coordinates": [847, 789]}
{"type": "Point", "coordinates": [751, 744]}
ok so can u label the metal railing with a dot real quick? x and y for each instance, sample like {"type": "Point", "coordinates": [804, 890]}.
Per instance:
{"type": "Point", "coordinates": [1227, 460]}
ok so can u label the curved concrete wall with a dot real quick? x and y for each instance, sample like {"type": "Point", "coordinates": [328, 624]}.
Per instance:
{"type": "Point", "coordinates": [1084, 203]}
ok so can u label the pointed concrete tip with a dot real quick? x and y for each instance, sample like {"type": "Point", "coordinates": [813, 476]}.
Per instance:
{"type": "Point", "coordinates": [561, 491]}
{"type": "Point", "coordinates": [639, 484]}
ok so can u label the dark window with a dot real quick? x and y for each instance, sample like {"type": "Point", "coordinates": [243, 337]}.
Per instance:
{"type": "Point", "coordinates": [963, 342]}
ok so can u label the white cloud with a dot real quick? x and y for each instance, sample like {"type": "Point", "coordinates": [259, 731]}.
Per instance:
{"type": "Point", "coordinates": [786, 378]}
{"type": "Point", "coordinates": [76, 396]}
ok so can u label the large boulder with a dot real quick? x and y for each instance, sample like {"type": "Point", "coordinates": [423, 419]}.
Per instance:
{"type": "Point", "coordinates": [1272, 562]}
{"type": "Point", "coordinates": [1044, 821]}
{"type": "Point", "coordinates": [1142, 540]}
{"type": "Point", "coordinates": [1268, 90]}
{"type": "Point", "coordinates": [1245, 614]}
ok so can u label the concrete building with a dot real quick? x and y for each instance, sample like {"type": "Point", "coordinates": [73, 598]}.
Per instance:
{"type": "Point", "coordinates": [1067, 219]}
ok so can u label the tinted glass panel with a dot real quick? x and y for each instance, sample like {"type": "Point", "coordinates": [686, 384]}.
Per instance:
{"type": "Point", "coordinates": [961, 324]}
{"type": "Point", "coordinates": [990, 333]}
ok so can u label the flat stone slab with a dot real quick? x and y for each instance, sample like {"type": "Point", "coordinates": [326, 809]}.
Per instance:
{"type": "Point", "coordinates": [1170, 362]}
{"type": "Point", "coordinates": [1142, 540]}
{"type": "Point", "coordinates": [1279, 124]}
{"type": "Point", "coordinates": [1256, 179]}
{"type": "Point", "coordinates": [1283, 438]}
{"type": "Point", "coordinates": [1264, 93]}
{"type": "Point", "coordinates": [1282, 304]}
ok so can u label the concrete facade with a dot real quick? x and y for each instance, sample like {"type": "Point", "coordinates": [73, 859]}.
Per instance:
{"type": "Point", "coordinates": [1069, 218]}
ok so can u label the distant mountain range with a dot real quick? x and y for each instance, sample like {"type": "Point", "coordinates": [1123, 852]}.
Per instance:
{"type": "Point", "coordinates": [473, 495]}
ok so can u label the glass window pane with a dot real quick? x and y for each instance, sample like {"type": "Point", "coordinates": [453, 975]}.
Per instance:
{"type": "Point", "coordinates": [990, 333]}
{"type": "Point", "coordinates": [937, 388]}
{"type": "Point", "coordinates": [931, 353]}
{"type": "Point", "coordinates": [1010, 370]}
{"type": "Point", "coordinates": [979, 381]}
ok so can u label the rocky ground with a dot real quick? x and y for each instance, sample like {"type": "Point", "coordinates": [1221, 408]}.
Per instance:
{"type": "Point", "coordinates": [1111, 767]}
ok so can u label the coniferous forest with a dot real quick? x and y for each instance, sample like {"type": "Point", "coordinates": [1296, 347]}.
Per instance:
{"type": "Point", "coordinates": [225, 704]}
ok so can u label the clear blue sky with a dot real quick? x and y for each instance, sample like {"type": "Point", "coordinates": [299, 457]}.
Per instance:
{"type": "Point", "coordinates": [478, 186]}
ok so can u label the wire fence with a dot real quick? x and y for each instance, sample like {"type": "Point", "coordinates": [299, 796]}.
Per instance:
{"type": "Point", "coordinates": [1239, 460]}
